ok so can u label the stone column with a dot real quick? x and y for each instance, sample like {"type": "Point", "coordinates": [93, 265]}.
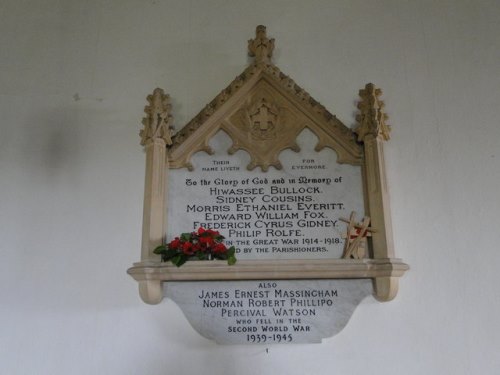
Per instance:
{"type": "Point", "coordinates": [155, 136]}
{"type": "Point", "coordinates": [373, 131]}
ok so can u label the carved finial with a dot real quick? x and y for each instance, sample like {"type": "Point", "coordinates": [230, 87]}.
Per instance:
{"type": "Point", "coordinates": [261, 47]}
{"type": "Point", "coordinates": [157, 124]}
{"type": "Point", "coordinates": [372, 118]}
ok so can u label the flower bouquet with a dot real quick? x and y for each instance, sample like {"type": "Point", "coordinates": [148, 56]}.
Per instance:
{"type": "Point", "coordinates": [205, 244]}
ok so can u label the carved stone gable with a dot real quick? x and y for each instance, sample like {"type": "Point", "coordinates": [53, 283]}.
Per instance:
{"type": "Point", "coordinates": [264, 117]}
{"type": "Point", "coordinates": [263, 111]}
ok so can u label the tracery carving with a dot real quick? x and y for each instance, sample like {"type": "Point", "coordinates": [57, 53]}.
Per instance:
{"type": "Point", "coordinates": [330, 130]}
{"type": "Point", "coordinates": [157, 123]}
{"type": "Point", "coordinates": [372, 118]}
{"type": "Point", "coordinates": [263, 127]}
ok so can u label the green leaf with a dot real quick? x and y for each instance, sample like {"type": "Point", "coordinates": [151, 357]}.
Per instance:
{"type": "Point", "coordinates": [160, 249]}
{"type": "Point", "coordinates": [183, 260]}
{"type": "Point", "coordinates": [186, 237]}
{"type": "Point", "coordinates": [201, 255]}
{"type": "Point", "coordinates": [231, 260]}
{"type": "Point", "coordinates": [170, 253]}
{"type": "Point", "coordinates": [231, 251]}
{"type": "Point", "coordinates": [221, 256]}
{"type": "Point", "coordinates": [179, 260]}
{"type": "Point", "coordinates": [175, 259]}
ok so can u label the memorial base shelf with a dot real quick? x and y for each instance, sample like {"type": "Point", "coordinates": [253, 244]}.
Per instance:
{"type": "Point", "coordinates": [385, 272]}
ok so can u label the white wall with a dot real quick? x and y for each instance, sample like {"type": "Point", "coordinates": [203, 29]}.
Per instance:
{"type": "Point", "coordinates": [73, 80]}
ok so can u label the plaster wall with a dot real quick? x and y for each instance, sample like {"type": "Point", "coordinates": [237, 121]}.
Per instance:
{"type": "Point", "coordinates": [73, 80]}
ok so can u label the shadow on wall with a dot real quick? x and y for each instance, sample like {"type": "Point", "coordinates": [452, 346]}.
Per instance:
{"type": "Point", "coordinates": [51, 145]}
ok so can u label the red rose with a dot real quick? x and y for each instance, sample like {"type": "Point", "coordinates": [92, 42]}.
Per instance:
{"type": "Point", "coordinates": [212, 233]}
{"type": "Point", "coordinates": [219, 248]}
{"type": "Point", "coordinates": [187, 248]}
{"type": "Point", "coordinates": [207, 241]}
{"type": "Point", "coordinates": [174, 244]}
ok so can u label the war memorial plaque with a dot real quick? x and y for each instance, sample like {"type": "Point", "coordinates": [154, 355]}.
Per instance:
{"type": "Point", "coordinates": [300, 196]}
{"type": "Point", "coordinates": [290, 213]}
{"type": "Point", "coordinates": [269, 312]}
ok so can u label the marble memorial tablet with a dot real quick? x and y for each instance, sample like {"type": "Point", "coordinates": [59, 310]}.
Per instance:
{"type": "Point", "coordinates": [269, 312]}
{"type": "Point", "coordinates": [290, 213]}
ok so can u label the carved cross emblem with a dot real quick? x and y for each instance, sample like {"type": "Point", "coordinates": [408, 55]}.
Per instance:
{"type": "Point", "coordinates": [263, 119]}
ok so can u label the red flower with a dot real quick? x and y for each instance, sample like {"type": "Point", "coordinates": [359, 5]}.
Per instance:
{"type": "Point", "coordinates": [202, 232]}
{"type": "Point", "coordinates": [207, 241]}
{"type": "Point", "coordinates": [187, 248]}
{"type": "Point", "coordinates": [219, 248]}
{"type": "Point", "coordinates": [174, 244]}
{"type": "Point", "coordinates": [212, 233]}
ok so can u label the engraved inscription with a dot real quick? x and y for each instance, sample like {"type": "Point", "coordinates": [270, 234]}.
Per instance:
{"type": "Point", "coordinates": [291, 213]}
{"type": "Point", "coordinates": [269, 312]}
